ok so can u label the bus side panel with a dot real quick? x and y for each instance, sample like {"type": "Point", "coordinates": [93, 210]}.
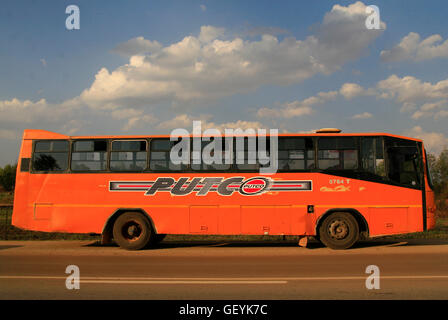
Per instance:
{"type": "Point", "coordinates": [266, 219]}
{"type": "Point", "coordinates": [431, 208]}
{"type": "Point", "coordinates": [167, 219]}
{"type": "Point", "coordinates": [415, 221]}
{"type": "Point", "coordinates": [400, 212]}
{"type": "Point", "coordinates": [22, 213]}
{"type": "Point", "coordinates": [229, 219]}
{"type": "Point", "coordinates": [204, 219]}
{"type": "Point", "coordinates": [388, 220]}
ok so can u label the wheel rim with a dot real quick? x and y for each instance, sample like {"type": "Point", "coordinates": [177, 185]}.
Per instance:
{"type": "Point", "coordinates": [132, 231]}
{"type": "Point", "coordinates": [338, 229]}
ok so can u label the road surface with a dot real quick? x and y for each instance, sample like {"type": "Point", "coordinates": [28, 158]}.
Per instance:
{"type": "Point", "coordinates": [414, 269]}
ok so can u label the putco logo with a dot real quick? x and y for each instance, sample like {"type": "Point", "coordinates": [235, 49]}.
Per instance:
{"type": "Point", "coordinates": [202, 186]}
{"type": "Point", "coordinates": [254, 186]}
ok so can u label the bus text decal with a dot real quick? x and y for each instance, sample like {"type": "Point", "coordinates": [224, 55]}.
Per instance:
{"type": "Point", "coordinates": [203, 185]}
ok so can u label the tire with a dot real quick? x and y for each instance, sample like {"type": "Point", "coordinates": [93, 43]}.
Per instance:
{"type": "Point", "coordinates": [339, 231]}
{"type": "Point", "coordinates": [133, 231]}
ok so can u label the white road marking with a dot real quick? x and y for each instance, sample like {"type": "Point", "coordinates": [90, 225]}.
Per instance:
{"type": "Point", "coordinates": [139, 280]}
{"type": "Point", "coordinates": [182, 282]}
{"type": "Point", "coordinates": [258, 280]}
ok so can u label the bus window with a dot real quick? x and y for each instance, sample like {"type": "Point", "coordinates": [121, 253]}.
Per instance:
{"type": "Point", "coordinates": [50, 155]}
{"type": "Point", "coordinates": [128, 155]}
{"type": "Point", "coordinates": [89, 155]}
{"type": "Point", "coordinates": [246, 153]}
{"type": "Point", "coordinates": [295, 154]}
{"type": "Point", "coordinates": [220, 165]}
{"type": "Point", "coordinates": [160, 156]}
{"type": "Point", "coordinates": [429, 173]}
{"type": "Point", "coordinates": [337, 153]}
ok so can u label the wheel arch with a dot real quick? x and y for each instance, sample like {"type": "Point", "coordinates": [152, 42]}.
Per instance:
{"type": "Point", "coordinates": [360, 219]}
{"type": "Point", "coordinates": [107, 233]}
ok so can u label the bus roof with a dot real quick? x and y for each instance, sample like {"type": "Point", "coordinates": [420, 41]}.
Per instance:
{"type": "Point", "coordinates": [36, 134]}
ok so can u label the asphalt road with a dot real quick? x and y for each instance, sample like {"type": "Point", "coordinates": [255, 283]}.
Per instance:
{"type": "Point", "coordinates": [414, 269]}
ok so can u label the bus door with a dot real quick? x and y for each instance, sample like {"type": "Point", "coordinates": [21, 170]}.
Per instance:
{"type": "Point", "coordinates": [404, 171]}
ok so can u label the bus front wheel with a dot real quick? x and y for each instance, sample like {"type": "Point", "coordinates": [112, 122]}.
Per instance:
{"type": "Point", "coordinates": [339, 231]}
{"type": "Point", "coordinates": [132, 231]}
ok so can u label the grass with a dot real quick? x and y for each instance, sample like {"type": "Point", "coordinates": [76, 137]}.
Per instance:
{"type": "Point", "coordinates": [440, 231]}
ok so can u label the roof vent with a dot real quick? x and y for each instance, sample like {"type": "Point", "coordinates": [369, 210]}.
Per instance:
{"type": "Point", "coordinates": [329, 130]}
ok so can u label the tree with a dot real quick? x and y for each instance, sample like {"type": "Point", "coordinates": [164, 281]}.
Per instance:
{"type": "Point", "coordinates": [439, 172]}
{"type": "Point", "coordinates": [8, 177]}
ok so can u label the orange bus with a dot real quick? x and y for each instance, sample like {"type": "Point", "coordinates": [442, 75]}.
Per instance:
{"type": "Point", "coordinates": [335, 187]}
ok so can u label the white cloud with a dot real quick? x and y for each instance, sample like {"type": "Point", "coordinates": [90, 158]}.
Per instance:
{"type": "Point", "coordinates": [297, 108]}
{"type": "Point", "coordinates": [351, 90]}
{"type": "Point", "coordinates": [180, 121]}
{"type": "Point", "coordinates": [138, 122]}
{"type": "Point", "coordinates": [135, 118]}
{"type": "Point", "coordinates": [432, 109]}
{"type": "Point", "coordinates": [126, 113]}
{"type": "Point", "coordinates": [304, 107]}
{"type": "Point", "coordinates": [27, 111]}
{"type": "Point", "coordinates": [261, 30]}
{"type": "Point", "coordinates": [240, 124]}
{"type": "Point", "coordinates": [288, 109]}
{"type": "Point", "coordinates": [410, 91]}
{"type": "Point", "coordinates": [210, 33]}
{"type": "Point", "coordinates": [16, 115]}
{"type": "Point", "coordinates": [413, 49]}
{"type": "Point", "coordinates": [435, 142]}
{"type": "Point", "coordinates": [208, 66]}
{"type": "Point", "coordinates": [364, 115]}
{"type": "Point", "coordinates": [73, 126]}
{"type": "Point", "coordinates": [186, 121]}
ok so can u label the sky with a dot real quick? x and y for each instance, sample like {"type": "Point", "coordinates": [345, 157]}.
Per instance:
{"type": "Point", "coordinates": [148, 67]}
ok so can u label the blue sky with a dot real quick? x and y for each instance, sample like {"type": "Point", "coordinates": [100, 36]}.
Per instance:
{"type": "Point", "coordinates": [151, 66]}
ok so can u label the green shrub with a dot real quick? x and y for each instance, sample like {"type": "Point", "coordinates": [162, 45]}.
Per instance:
{"type": "Point", "coordinates": [8, 177]}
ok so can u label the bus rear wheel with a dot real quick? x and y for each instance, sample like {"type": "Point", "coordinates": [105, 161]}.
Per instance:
{"type": "Point", "coordinates": [339, 231]}
{"type": "Point", "coordinates": [132, 231]}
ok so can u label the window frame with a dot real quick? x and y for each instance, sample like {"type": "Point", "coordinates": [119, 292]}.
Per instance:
{"type": "Point", "coordinates": [357, 148]}
{"type": "Point", "coordinates": [305, 155]}
{"type": "Point", "coordinates": [33, 155]}
{"type": "Point", "coordinates": [387, 141]}
{"type": "Point", "coordinates": [72, 147]}
{"type": "Point", "coordinates": [149, 169]}
{"type": "Point", "coordinates": [110, 151]}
